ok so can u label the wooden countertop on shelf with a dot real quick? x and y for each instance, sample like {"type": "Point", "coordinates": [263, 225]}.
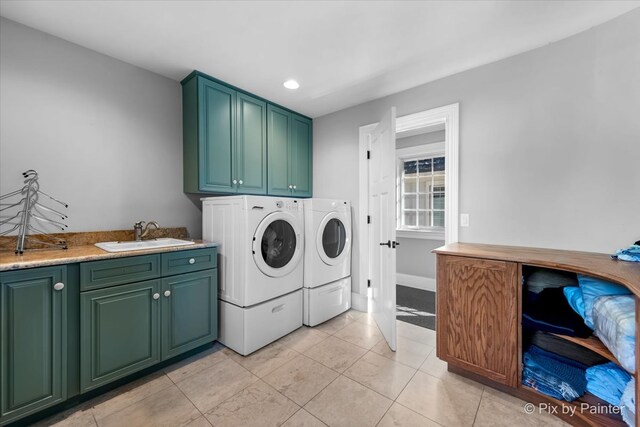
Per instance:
{"type": "Point", "coordinates": [589, 263]}
{"type": "Point", "coordinates": [81, 248]}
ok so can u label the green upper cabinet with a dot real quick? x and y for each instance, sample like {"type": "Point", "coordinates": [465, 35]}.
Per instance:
{"type": "Point", "coordinates": [300, 160]}
{"type": "Point", "coordinates": [251, 145]}
{"type": "Point", "coordinates": [278, 125]}
{"type": "Point", "coordinates": [289, 148]}
{"type": "Point", "coordinates": [225, 139]}
{"type": "Point", "coordinates": [236, 143]}
{"type": "Point", "coordinates": [33, 336]}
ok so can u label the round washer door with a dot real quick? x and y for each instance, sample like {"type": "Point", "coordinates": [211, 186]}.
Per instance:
{"type": "Point", "coordinates": [277, 247]}
{"type": "Point", "coordinates": [333, 240]}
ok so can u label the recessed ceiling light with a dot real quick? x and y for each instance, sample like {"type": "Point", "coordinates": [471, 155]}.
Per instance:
{"type": "Point", "coordinates": [291, 84]}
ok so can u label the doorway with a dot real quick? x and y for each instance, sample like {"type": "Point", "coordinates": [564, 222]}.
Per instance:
{"type": "Point", "coordinates": [426, 206]}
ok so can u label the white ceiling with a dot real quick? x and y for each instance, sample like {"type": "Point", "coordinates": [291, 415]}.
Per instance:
{"type": "Point", "coordinates": [342, 53]}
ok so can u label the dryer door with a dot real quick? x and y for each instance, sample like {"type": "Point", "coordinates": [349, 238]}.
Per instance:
{"type": "Point", "coordinates": [333, 240]}
{"type": "Point", "coordinates": [277, 244]}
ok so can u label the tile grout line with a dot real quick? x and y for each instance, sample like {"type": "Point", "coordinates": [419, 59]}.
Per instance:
{"type": "Point", "coordinates": [190, 401]}
{"type": "Point", "coordinates": [316, 395]}
{"type": "Point", "coordinates": [136, 402]}
{"type": "Point", "coordinates": [197, 372]}
{"type": "Point", "coordinates": [475, 416]}
{"type": "Point", "coordinates": [418, 413]}
{"type": "Point", "coordinates": [406, 385]}
{"type": "Point", "coordinates": [204, 414]}
{"type": "Point", "coordinates": [321, 390]}
{"type": "Point", "coordinates": [364, 385]}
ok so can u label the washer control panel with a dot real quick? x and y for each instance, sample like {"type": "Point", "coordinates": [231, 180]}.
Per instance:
{"type": "Point", "coordinates": [289, 205]}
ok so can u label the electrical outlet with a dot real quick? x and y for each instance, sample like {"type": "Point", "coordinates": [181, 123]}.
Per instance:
{"type": "Point", "coordinates": [464, 220]}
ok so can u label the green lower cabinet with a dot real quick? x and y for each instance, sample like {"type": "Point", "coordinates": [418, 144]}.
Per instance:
{"type": "Point", "coordinates": [33, 336]}
{"type": "Point", "coordinates": [189, 311]}
{"type": "Point", "coordinates": [119, 332]}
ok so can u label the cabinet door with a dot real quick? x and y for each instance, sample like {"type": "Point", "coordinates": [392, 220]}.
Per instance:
{"type": "Point", "coordinates": [189, 311]}
{"type": "Point", "coordinates": [251, 145]}
{"type": "Point", "coordinates": [119, 332]}
{"type": "Point", "coordinates": [300, 156]}
{"type": "Point", "coordinates": [278, 129]}
{"type": "Point", "coordinates": [477, 312]}
{"type": "Point", "coordinates": [217, 134]}
{"type": "Point", "coordinates": [33, 354]}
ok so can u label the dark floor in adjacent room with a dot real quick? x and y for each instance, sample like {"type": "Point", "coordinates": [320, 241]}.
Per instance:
{"type": "Point", "coordinates": [416, 306]}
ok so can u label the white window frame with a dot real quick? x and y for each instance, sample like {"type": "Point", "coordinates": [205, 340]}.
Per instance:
{"type": "Point", "coordinates": [410, 153]}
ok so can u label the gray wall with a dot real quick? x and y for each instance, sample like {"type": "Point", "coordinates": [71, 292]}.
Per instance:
{"type": "Point", "coordinates": [105, 136]}
{"type": "Point", "coordinates": [414, 257]}
{"type": "Point", "coordinates": [549, 143]}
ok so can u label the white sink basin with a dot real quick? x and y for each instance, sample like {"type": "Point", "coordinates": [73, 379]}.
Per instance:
{"type": "Point", "coordinates": [139, 246]}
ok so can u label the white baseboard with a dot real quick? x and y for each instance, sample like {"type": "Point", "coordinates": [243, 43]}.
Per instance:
{"type": "Point", "coordinates": [359, 302]}
{"type": "Point", "coordinates": [418, 282]}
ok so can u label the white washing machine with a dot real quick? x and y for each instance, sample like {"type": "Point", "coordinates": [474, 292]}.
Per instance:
{"type": "Point", "coordinates": [260, 267]}
{"type": "Point", "coordinates": [327, 259]}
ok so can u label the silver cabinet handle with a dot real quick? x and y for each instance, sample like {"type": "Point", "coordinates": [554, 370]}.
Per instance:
{"type": "Point", "coordinates": [294, 187]}
{"type": "Point", "coordinates": [235, 182]}
{"type": "Point", "coordinates": [240, 182]}
{"type": "Point", "coordinates": [167, 293]}
{"type": "Point", "coordinates": [58, 286]}
{"type": "Point", "coordinates": [290, 187]}
{"type": "Point", "coordinates": [192, 260]}
{"type": "Point", "coordinates": [156, 295]}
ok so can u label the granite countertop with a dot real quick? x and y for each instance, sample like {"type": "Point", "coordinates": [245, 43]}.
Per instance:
{"type": "Point", "coordinates": [86, 251]}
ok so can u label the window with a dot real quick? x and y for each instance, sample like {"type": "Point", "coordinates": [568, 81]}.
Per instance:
{"type": "Point", "coordinates": [421, 191]}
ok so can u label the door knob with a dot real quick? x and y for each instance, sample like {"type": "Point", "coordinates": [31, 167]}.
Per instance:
{"type": "Point", "coordinates": [235, 182]}
{"type": "Point", "coordinates": [290, 187]}
{"type": "Point", "coordinates": [294, 187]}
{"type": "Point", "coordinates": [58, 286]}
{"type": "Point", "coordinates": [167, 293]}
{"type": "Point", "coordinates": [387, 244]}
{"type": "Point", "coordinates": [156, 295]}
{"type": "Point", "coordinates": [192, 260]}
{"type": "Point", "coordinates": [240, 182]}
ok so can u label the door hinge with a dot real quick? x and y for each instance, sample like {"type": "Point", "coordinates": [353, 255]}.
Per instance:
{"type": "Point", "coordinates": [368, 283]}
{"type": "Point", "coordinates": [368, 154]}
{"type": "Point", "coordinates": [368, 219]}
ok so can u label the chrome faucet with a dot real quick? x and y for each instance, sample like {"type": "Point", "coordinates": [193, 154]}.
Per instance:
{"type": "Point", "coordinates": [139, 233]}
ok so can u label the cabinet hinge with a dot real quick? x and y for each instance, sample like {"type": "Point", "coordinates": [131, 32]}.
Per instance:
{"type": "Point", "coordinates": [368, 219]}
{"type": "Point", "coordinates": [368, 155]}
{"type": "Point", "coordinates": [368, 283]}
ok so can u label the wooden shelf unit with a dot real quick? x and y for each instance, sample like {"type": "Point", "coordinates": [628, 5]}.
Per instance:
{"type": "Point", "coordinates": [479, 306]}
{"type": "Point", "coordinates": [595, 345]}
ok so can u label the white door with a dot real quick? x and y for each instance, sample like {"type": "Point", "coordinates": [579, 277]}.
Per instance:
{"type": "Point", "coordinates": [382, 237]}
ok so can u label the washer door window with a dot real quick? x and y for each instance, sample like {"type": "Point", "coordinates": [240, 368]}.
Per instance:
{"type": "Point", "coordinates": [333, 239]}
{"type": "Point", "coordinates": [277, 247]}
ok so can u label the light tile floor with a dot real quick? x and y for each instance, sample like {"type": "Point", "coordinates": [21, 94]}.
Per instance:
{"type": "Point", "coordinates": [338, 374]}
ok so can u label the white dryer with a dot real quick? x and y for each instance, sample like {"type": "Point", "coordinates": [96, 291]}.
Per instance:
{"type": "Point", "coordinates": [327, 259]}
{"type": "Point", "coordinates": [261, 246]}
